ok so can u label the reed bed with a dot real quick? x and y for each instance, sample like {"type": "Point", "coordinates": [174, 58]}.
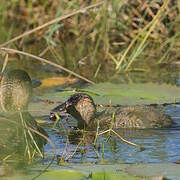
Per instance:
{"type": "Point", "coordinates": [98, 36]}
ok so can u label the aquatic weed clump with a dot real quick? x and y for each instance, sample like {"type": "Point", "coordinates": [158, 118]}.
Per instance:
{"type": "Point", "coordinates": [78, 142]}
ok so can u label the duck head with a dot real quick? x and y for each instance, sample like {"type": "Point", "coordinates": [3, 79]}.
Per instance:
{"type": "Point", "coordinates": [81, 106]}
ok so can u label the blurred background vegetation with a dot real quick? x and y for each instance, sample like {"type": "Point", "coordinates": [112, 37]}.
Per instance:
{"type": "Point", "coordinates": [119, 36]}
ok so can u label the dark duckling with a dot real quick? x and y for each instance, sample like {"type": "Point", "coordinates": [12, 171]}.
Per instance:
{"type": "Point", "coordinates": [82, 107]}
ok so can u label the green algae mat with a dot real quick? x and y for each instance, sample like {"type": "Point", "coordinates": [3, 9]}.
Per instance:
{"type": "Point", "coordinates": [108, 172]}
{"type": "Point", "coordinates": [125, 94]}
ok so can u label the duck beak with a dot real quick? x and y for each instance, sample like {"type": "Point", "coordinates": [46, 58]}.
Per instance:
{"type": "Point", "coordinates": [59, 110]}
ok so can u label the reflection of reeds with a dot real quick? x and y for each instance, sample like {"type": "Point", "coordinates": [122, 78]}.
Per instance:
{"type": "Point", "coordinates": [23, 141]}
{"type": "Point", "coordinates": [34, 139]}
{"type": "Point", "coordinates": [83, 142]}
{"type": "Point", "coordinates": [32, 147]}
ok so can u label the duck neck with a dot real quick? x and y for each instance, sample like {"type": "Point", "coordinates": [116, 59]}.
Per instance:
{"type": "Point", "coordinates": [81, 122]}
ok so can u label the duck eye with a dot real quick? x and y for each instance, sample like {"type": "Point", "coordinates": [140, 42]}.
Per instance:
{"type": "Point", "coordinates": [68, 103]}
{"type": "Point", "coordinates": [62, 108]}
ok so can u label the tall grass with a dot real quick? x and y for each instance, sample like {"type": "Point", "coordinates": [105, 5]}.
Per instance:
{"type": "Point", "coordinates": [115, 35]}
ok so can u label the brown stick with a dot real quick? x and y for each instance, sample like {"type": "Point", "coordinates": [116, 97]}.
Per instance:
{"type": "Point", "coordinates": [47, 62]}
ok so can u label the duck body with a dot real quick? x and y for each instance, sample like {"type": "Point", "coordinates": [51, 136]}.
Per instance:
{"type": "Point", "coordinates": [16, 90]}
{"type": "Point", "coordinates": [134, 117]}
{"type": "Point", "coordinates": [82, 107]}
{"type": "Point", "coordinates": [15, 93]}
